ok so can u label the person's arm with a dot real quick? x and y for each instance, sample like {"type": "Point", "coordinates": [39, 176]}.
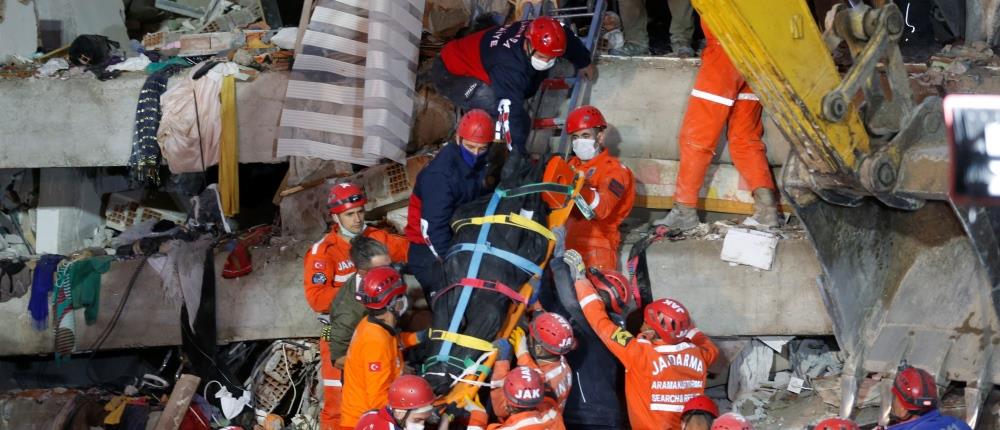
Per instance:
{"type": "Point", "coordinates": [437, 208]}
{"type": "Point", "coordinates": [618, 340]}
{"type": "Point", "coordinates": [319, 274]}
{"type": "Point", "coordinates": [501, 367]}
{"type": "Point", "coordinates": [562, 277]}
{"type": "Point", "coordinates": [510, 86]}
{"type": "Point", "coordinates": [576, 52]}
{"type": "Point", "coordinates": [345, 314]}
{"type": "Point", "coordinates": [409, 339]}
{"type": "Point", "coordinates": [605, 195]}
{"type": "Point", "coordinates": [708, 349]}
{"type": "Point", "coordinates": [399, 247]}
{"type": "Point", "coordinates": [378, 361]}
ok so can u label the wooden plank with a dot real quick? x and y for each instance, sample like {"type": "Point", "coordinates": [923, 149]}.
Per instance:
{"type": "Point", "coordinates": [705, 204]}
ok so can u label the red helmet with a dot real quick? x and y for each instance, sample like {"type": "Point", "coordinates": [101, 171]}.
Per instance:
{"type": "Point", "coordinates": [611, 286]}
{"type": "Point", "coordinates": [523, 387]}
{"type": "Point", "coordinates": [380, 286]}
{"type": "Point", "coordinates": [731, 421]}
{"type": "Point", "coordinates": [477, 126]}
{"type": "Point", "coordinates": [410, 392]}
{"type": "Point", "coordinates": [584, 117]}
{"type": "Point", "coordinates": [915, 389]}
{"type": "Point", "coordinates": [345, 196]}
{"type": "Point", "coordinates": [547, 36]}
{"type": "Point", "coordinates": [836, 424]}
{"type": "Point", "coordinates": [669, 319]}
{"type": "Point", "coordinates": [701, 403]}
{"type": "Point", "coordinates": [553, 332]}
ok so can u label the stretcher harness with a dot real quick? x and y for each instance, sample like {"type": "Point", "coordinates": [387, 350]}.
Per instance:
{"type": "Point", "coordinates": [471, 282]}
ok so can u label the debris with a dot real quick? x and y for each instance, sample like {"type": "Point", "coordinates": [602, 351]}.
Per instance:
{"type": "Point", "coordinates": [812, 358]}
{"type": "Point", "coordinates": [285, 38]}
{"type": "Point", "coordinates": [829, 389]}
{"type": "Point", "coordinates": [749, 370]}
{"type": "Point", "coordinates": [52, 67]}
{"type": "Point", "coordinates": [749, 247]}
{"type": "Point", "coordinates": [134, 64]}
{"type": "Point", "coordinates": [444, 18]}
{"type": "Point", "coordinates": [205, 44]}
{"type": "Point", "coordinates": [123, 211]}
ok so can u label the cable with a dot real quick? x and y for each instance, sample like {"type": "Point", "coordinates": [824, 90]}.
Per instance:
{"type": "Point", "coordinates": [114, 320]}
{"type": "Point", "coordinates": [288, 370]}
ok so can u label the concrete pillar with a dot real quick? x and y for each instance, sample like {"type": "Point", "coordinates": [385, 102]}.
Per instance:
{"type": "Point", "coordinates": [69, 206]}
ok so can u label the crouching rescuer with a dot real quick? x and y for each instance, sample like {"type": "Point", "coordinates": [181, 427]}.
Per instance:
{"type": "Point", "coordinates": [411, 403]}
{"type": "Point", "coordinates": [665, 365]}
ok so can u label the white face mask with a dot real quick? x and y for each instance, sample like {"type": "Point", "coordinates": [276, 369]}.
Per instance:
{"type": "Point", "coordinates": [402, 306]}
{"type": "Point", "coordinates": [542, 65]}
{"type": "Point", "coordinates": [414, 426]}
{"type": "Point", "coordinates": [586, 149]}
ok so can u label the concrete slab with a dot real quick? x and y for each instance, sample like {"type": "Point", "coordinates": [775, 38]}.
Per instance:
{"type": "Point", "coordinates": [88, 123]}
{"type": "Point", "coordinates": [730, 300]}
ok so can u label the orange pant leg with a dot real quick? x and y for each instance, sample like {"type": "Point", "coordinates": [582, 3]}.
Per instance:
{"type": "Point", "coordinates": [745, 145]}
{"type": "Point", "coordinates": [714, 93]}
{"type": "Point", "coordinates": [600, 257]}
{"type": "Point", "coordinates": [329, 417]}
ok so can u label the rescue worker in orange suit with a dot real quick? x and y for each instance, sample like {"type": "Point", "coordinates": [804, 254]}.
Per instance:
{"type": "Point", "coordinates": [456, 175]}
{"type": "Point", "coordinates": [411, 402]}
{"type": "Point", "coordinates": [328, 266]}
{"type": "Point", "coordinates": [551, 337]}
{"type": "Point", "coordinates": [375, 357]}
{"type": "Point", "coordinates": [698, 413]}
{"type": "Point", "coordinates": [836, 424]}
{"type": "Point", "coordinates": [721, 98]}
{"type": "Point", "coordinates": [609, 190]}
{"type": "Point", "coordinates": [665, 366]}
{"type": "Point", "coordinates": [731, 421]}
{"type": "Point", "coordinates": [502, 67]}
{"type": "Point", "coordinates": [915, 403]}
{"type": "Point", "coordinates": [527, 407]}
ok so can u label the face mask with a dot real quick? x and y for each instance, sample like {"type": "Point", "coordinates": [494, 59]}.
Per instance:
{"type": "Point", "coordinates": [402, 306]}
{"type": "Point", "coordinates": [470, 158]}
{"type": "Point", "coordinates": [542, 65]}
{"type": "Point", "coordinates": [414, 426]}
{"type": "Point", "coordinates": [586, 149]}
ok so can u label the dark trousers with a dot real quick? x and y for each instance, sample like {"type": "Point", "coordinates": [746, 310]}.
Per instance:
{"type": "Point", "coordinates": [464, 91]}
{"type": "Point", "coordinates": [425, 266]}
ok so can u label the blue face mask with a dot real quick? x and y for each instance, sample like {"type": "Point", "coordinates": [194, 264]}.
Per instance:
{"type": "Point", "coordinates": [470, 158]}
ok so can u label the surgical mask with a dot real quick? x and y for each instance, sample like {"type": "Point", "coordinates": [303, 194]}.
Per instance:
{"type": "Point", "coordinates": [586, 149]}
{"type": "Point", "coordinates": [402, 305]}
{"type": "Point", "coordinates": [542, 65]}
{"type": "Point", "coordinates": [470, 158]}
{"type": "Point", "coordinates": [414, 426]}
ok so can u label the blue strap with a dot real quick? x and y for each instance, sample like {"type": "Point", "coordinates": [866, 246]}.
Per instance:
{"type": "Point", "coordinates": [473, 272]}
{"type": "Point", "coordinates": [522, 263]}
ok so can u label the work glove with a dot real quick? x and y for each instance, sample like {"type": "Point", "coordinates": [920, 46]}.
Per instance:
{"type": "Point", "coordinates": [519, 340]}
{"type": "Point", "coordinates": [422, 335]}
{"type": "Point", "coordinates": [473, 406]}
{"type": "Point", "coordinates": [574, 260]}
{"type": "Point", "coordinates": [503, 349]}
{"type": "Point", "coordinates": [453, 413]}
{"type": "Point", "coordinates": [560, 249]}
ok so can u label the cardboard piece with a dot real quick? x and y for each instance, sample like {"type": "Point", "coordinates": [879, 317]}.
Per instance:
{"type": "Point", "coordinates": [749, 247]}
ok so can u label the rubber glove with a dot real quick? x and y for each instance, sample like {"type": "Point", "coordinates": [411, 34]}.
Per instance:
{"type": "Point", "coordinates": [503, 349]}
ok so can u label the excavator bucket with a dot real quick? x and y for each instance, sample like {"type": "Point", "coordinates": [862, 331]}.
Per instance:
{"type": "Point", "coordinates": [907, 273]}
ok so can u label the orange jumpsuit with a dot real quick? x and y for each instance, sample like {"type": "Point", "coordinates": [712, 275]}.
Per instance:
{"type": "Point", "coordinates": [545, 417]}
{"type": "Point", "coordinates": [720, 96]}
{"type": "Point", "coordinates": [659, 378]}
{"type": "Point", "coordinates": [328, 266]}
{"type": "Point", "coordinates": [558, 381]}
{"type": "Point", "coordinates": [370, 367]}
{"type": "Point", "coordinates": [611, 196]}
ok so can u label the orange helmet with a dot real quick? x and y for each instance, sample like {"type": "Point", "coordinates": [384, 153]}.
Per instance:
{"type": "Point", "coordinates": [523, 387]}
{"type": "Point", "coordinates": [669, 319]}
{"type": "Point", "coordinates": [477, 126]}
{"type": "Point", "coordinates": [547, 36]}
{"type": "Point", "coordinates": [345, 196]}
{"type": "Point", "coordinates": [836, 424]}
{"type": "Point", "coordinates": [611, 286]}
{"type": "Point", "coordinates": [410, 392]}
{"type": "Point", "coordinates": [553, 332]}
{"type": "Point", "coordinates": [584, 117]}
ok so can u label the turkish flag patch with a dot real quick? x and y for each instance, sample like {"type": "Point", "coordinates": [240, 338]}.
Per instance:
{"type": "Point", "coordinates": [374, 366]}
{"type": "Point", "coordinates": [319, 265]}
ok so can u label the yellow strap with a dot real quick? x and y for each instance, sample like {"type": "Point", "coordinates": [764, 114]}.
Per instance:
{"type": "Point", "coordinates": [461, 340]}
{"type": "Point", "coordinates": [509, 219]}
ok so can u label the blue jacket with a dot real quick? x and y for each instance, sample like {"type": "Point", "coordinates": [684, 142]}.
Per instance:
{"type": "Point", "coordinates": [496, 56]}
{"type": "Point", "coordinates": [932, 420]}
{"type": "Point", "coordinates": [446, 183]}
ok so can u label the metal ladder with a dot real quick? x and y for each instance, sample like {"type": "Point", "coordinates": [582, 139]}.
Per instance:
{"type": "Point", "coordinates": [577, 86]}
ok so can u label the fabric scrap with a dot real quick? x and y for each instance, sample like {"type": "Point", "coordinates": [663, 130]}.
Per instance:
{"type": "Point", "coordinates": [42, 283]}
{"type": "Point", "coordinates": [229, 178]}
{"type": "Point", "coordinates": [63, 322]}
{"type": "Point", "coordinates": [85, 280]}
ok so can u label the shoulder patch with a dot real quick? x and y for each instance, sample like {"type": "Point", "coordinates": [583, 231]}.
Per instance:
{"type": "Point", "coordinates": [319, 278]}
{"type": "Point", "coordinates": [319, 265]}
{"type": "Point", "coordinates": [616, 188]}
{"type": "Point", "coordinates": [621, 336]}
{"type": "Point", "coordinates": [374, 366]}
